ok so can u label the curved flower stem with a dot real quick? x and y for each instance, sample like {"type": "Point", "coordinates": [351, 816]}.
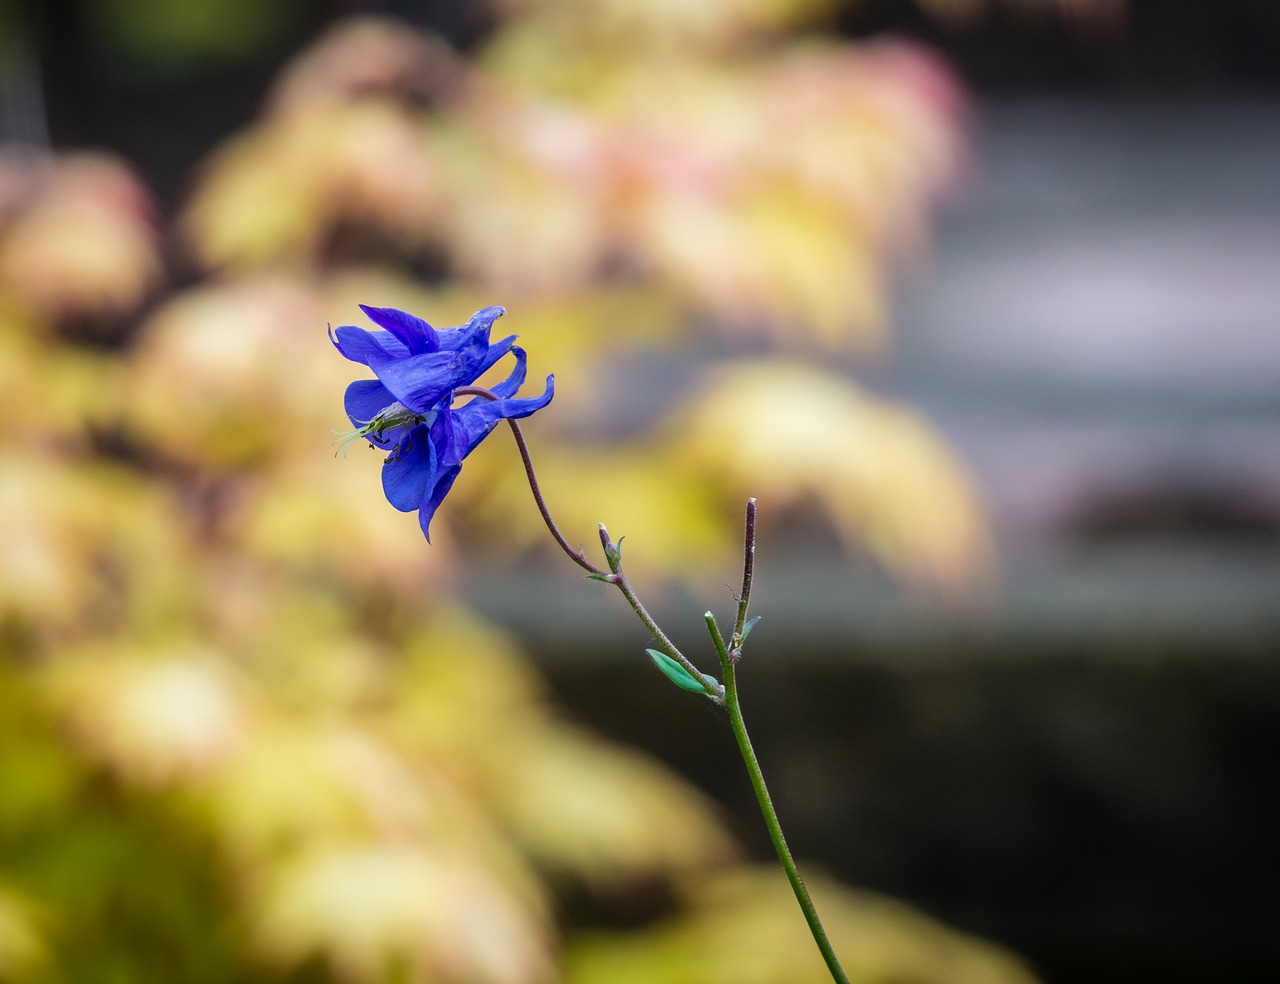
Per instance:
{"type": "Point", "coordinates": [613, 576]}
{"type": "Point", "coordinates": [614, 556]}
{"type": "Point", "coordinates": [575, 555]}
{"type": "Point", "coordinates": [729, 666]}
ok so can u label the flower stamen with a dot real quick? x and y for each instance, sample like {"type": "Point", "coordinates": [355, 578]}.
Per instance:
{"type": "Point", "coordinates": [392, 418]}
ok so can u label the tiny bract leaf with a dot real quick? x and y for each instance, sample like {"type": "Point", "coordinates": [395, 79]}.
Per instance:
{"type": "Point", "coordinates": [681, 677]}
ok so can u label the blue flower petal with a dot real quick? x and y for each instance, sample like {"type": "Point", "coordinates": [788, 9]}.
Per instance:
{"type": "Point", "coordinates": [448, 463]}
{"type": "Point", "coordinates": [495, 352]}
{"type": "Point", "coordinates": [474, 421]}
{"type": "Point", "coordinates": [427, 510]}
{"type": "Point", "coordinates": [418, 336]}
{"type": "Point", "coordinates": [511, 385]}
{"type": "Point", "coordinates": [365, 399]}
{"type": "Point", "coordinates": [475, 331]}
{"type": "Point", "coordinates": [442, 439]}
{"type": "Point", "coordinates": [410, 472]}
{"type": "Point", "coordinates": [366, 347]}
{"type": "Point", "coordinates": [421, 368]}
{"type": "Point", "coordinates": [420, 381]}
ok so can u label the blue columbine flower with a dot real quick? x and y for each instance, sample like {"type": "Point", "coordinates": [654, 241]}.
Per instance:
{"type": "Point", "coordinates": [407, 411]}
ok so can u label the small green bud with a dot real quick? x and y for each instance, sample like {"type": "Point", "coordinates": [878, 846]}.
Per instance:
{"type": "Point", "coordinates": [612, 551]}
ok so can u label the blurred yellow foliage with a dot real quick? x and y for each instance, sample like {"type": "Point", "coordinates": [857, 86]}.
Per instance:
{"type": "Point", "coordinates": [620, 815]}
{"type": "Point", "coordinates": [303, 514]}
{"type": "Point", "coordinates": [471, 702]}
{"type": "Point", "coordinates": [79, 237]}
{"type": "Point", "coordinates": [790, 433]}
{"type": "Point", "coordinates": [277, 196]}
{"type": "Point", "coordinates": [396, 911]}
{"type": "Point", "coordinates": [762, 190]}
{"type": "Point", "coordinates": [23, 952]}
{"type": "Point", "coordinates": [734, 930]}
{"type": "Point", "coordinates": [611, 24]}
{"type": "Point", "coordinates": [51, 394]}
{"type": "Point", "coordinates": [673, 523]}
{"type": "Point", "coordinates": [154, 717]}
{"type": "Point", "coordinates": [216, 370]}
{"type": "Point", "coordinates": [86, 545]}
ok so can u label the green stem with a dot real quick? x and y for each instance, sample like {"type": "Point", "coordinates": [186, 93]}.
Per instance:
{"type": "Point", "coordinates": [748, 568]}
{"type": "Point", "coordinates": [771, 817]}
{"type": "Point", "coordinates": [576, 556]}
{"type": "Point", "coordinates": [728, 663]}
{"type": "Point", "coordinates": [729, 666]}
{"type": "Point", "coordinates": [642, 613]}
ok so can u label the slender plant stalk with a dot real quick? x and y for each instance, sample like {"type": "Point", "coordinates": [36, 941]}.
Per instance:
{"type": "Point", "coordinates": [734, 706]}
{"type": "Point", "coordinates": [727, 694]}
{"type": "Point", "coordinates": [576, 556]}
{"type": "Point", "coordinates": [748, 570]}
{"type": "Point", "coordinates": [613, 554]}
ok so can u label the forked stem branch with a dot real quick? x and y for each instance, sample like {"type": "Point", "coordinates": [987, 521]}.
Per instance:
{"type": "Point", "coordinates": [728, 692]}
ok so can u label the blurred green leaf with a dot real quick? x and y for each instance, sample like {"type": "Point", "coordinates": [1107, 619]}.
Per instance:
{"type": "Point", "coordinates": [176, 37]}
{"type": "Point", "coordinates": [681, 677]}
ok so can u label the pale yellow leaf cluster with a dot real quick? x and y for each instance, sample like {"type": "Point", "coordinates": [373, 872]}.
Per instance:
{"type": "Point", "coordinates": [762, 190]}
{"type": "Point", "coordinates": [669, 23]}
{"type": "Point", "coordinates": [735, 930]}
{"type": "Point", "coordinates": [78, 236]}
{"type": "Point", "coordinates": [23, 952]}
{"type": "Point", "coordinates": [794, 434]}
{"type": "Point", "coordinates": [380, 812]}
{"type": "Point", "coordinates": [396, 910]}
{"type": "Point", "coordinates": [674, 522]}
{"type": "Point", "coordinates": [354, 852]}
{"type": "Point", "coordinates": [84, 545]}
{"type": "Point", "coordinates": [219, 375]}
{"type": "Point", "coordinates": [765, 191]}
{"type": "Point", "coordinates": [578, 806]}
{"type": "Point", "coordinates": [153, 717]}
{"type": "Point", "coordinates": [617, 816]}
{"type": "Point", "coordinates": [308, 513]}
{"type": "Point", "coordinates": [51, 395]}
{"type": "Point", "coordinates": [278, 195]}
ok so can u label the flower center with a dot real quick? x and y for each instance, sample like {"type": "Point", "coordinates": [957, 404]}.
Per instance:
{"type": "Point", "coordinates": [389, 419]}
